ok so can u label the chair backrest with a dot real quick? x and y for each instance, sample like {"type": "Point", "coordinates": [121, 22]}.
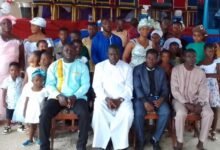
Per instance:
{"type": "Point", "coordinates": [85, 1]}
{"type": "Point", "coordinates": [110, 2]}
{"type": "Point", "coordinates": [37, 1]}
{"type": "Point", "coordinates": [177, 4]}
{"type": "Point", "coordinates": [69, 1]}
{"type": "Point", "coordinates": [128, 2]}
{"type": "Point", "coordinates": [161, 4]}
{"type": "Point", "coordinates": [144, 2]}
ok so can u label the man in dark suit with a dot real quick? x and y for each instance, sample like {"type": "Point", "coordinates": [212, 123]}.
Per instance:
{"type": "Point", "coordinates": [151, 92]}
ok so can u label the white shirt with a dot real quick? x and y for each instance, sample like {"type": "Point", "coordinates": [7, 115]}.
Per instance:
{"type": "Point", "coordinates": [14, 89]}
{"type": "Point", "coordinates": [113, 81]}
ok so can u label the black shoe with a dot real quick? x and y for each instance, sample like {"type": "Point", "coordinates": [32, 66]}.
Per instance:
{"type": "Point", "coordinates": [155, 144]}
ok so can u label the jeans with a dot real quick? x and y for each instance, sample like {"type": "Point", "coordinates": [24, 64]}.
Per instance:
{"type": "Point", "coordinates": [139, 112]}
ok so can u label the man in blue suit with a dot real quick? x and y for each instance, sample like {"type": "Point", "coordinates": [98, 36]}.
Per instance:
{"type": "Point", "coordinates": [151, 92]}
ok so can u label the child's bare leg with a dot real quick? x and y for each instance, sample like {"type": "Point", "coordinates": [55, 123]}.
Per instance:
{"type": "Point", "coordinates": [214, 124]}
{"type": "Point", "coordinates": [33, 128]}
{"type": "Point", "coordinates": [8, 121]}
{"type": "Point", "coordinates": [215, 120]}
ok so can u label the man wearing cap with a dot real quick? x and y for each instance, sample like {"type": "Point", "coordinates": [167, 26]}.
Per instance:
{"type": "Point", "coordinates": [102, 41]}
{"type": "Point", "coordinates": [113, 111]}
{"type": "Point", "coordinates": [67, 83]}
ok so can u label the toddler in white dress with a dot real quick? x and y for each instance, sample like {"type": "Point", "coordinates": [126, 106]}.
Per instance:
{"type": "Point", "coordinates": [35, 97]}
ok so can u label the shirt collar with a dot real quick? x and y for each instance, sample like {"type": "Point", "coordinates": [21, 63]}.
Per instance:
{"type": "Point", "coordinates": [148, 69]}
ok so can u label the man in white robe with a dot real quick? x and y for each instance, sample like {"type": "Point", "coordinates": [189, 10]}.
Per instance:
{"type": "Point", "coordinates": [113, 110]}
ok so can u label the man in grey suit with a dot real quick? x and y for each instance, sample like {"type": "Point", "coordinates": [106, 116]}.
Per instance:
{"type": "Point", "coordinates": [151, 92]}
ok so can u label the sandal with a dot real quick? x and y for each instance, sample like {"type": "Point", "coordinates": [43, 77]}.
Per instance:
{"type": "Point", "coordinates": [212, 136]}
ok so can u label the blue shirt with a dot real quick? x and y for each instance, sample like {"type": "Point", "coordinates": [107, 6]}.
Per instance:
{"type": "Point", "coordinates": [100, 45]}
{"type": "Point", "coordinates": [75, 79]}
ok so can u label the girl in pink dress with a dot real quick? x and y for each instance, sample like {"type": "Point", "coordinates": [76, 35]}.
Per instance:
{"type": "Point", "coordinates": [10, 51]}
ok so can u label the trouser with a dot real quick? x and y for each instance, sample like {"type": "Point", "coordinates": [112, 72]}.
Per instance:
{"type": "Point", "coordinates": [51, 109]}
{"type": "Point", "coordinates": [180, 118]}
{"type": "Point", "coordinates": [139, 112]}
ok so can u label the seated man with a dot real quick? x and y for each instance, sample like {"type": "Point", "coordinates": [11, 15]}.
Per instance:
{"type": "Point", "coordinates": [191, 95]}
{"type": "Point", "coordinates": [67, 83]}
{"type": "Point", "coordinates": [113, 112]}
{"type": "Point", "coordinates": [151, 92]}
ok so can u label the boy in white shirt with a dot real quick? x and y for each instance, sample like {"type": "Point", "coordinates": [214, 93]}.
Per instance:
{"type": "Point", "coordinates": [11, 87]}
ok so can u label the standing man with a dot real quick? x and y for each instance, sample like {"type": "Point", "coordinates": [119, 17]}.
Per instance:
{"type": "Point", "coordinates": [151, 93]}
{"type": "Point", "coordinates": [67, 83]}
{"type": "Point", "coordinates": [191, 95]}
{"type": "Point", "coordinates": [113, 111]}
{"type": "Point", "coordinates": [120, 31]}
{"type": "Point", "coordinates": [102, 41]}
{"type": "Point", "coordinates": [87, 41]}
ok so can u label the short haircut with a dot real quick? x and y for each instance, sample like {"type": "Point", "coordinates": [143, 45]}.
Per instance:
{"type": "Point", "coordinates": [63, 29]}
{"type": "Point", "coordinates": [208, 46]}
{"type": "Point", "coordinates": [77, 32]}
{"type": "Point", "coordinates": [14, 64]}
{"type": "Point", "coordinates": [152, 51]}
{"type": "Point", "coordinates": [77, 41]}
{"type": "Point", "coordinates": [37, 53]}
{"type": "Point", "coordinates": [41, 41]}
{"type": "Point", "coordinates": [165, 52]}
{"type": "Point", "coordinates": [115, 47]}
{"type": "Point", "coordinates": [190, 50]}
{"type": "Point", "coordinates": [48, 54]}
{"type": "Point", "coordinates": [134, 22]}
{"type": "Point", "coordinates": [94, 24]}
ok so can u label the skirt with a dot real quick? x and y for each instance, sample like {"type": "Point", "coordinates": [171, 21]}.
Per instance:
{"type": "Point", "coordinates": [214, 97]}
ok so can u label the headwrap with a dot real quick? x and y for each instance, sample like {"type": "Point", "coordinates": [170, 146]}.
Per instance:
{"type": "Point", "coordinates": [171, 40]}
{"type": "Point", "coordinates": [5, 8]}
{"type": "Point", "coordinates": [39, 72]}
{"type": "Point", "coordinates": [38, 21]}
{"type": "Point", "coordinates": [146, 23]}
{"type": "Point", "coordinates": [10, 17]}
{"type": "Point", "coordinates": [178, 17]}
{"type": "Point", "coordinates": [200, 29]}
{"type": "Point", "coordinates": [159, 32]}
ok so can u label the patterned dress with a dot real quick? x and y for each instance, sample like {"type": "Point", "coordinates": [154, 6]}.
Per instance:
{"type": "Point", "coordinates": [9, 52]}
{"type": "Point", "coordinates": [138, 53]}
{"type": "Point", "coordinates": [214, 97]}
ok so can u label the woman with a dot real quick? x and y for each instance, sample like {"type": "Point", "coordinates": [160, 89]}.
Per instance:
{"type": "Point", "coordinates": [38, 26]}
{"type": "Point", "coordinates": [136, 49]}
{"type": "Point", "coordinates": [11, 50]}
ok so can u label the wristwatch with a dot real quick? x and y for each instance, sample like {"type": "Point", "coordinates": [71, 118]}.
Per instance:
{"type": "Point", "coordinates": [121, 99]}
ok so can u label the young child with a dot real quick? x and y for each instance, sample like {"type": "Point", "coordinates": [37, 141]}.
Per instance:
{"type": "Point", "coordinates": [211, 66]}
{"type": "Point", "coordinates": [199, 37]}
{"type": "Point", "coordinates": [35, 96]}
{"type": "Point", "coordinates": [11, 88]}
{"type": "Point", "coordinates": [59, 43]}
{"type": "Point", "coordinates": [33, 61]}
{"type": "Point", "coordinates": [165, 63]}
{"type": "Point", "coordinates": [45, 60]}
{"type": "Point", "coordinates": [175, 53]}
{"type": "Point", "coordinates": [42, 45]}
